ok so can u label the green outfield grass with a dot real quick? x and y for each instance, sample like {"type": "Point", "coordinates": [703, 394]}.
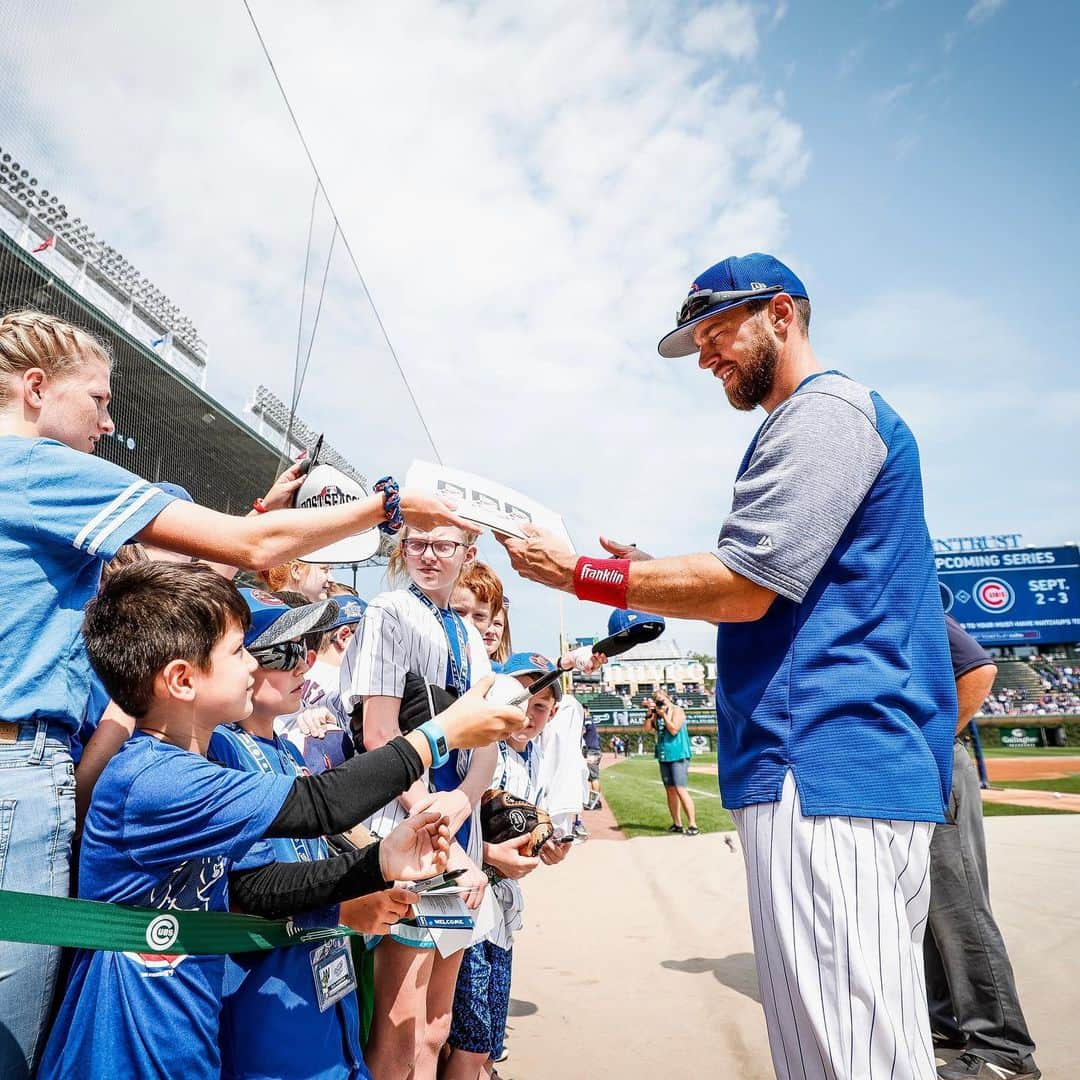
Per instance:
{"type": "Point", "coordinates": [993, 809]}
{"type": "Point", "coordinates": [633, 791]}
{"type": "Point", "coordinates": [1033, 751]}
{"type": "Point", "coordinates": [1069, 784]}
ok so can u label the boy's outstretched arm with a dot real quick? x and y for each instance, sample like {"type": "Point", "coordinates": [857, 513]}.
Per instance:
{"type": "Point", "coordinates": [417, 848]}
{"type": "Point", "coordinates": [338, 799]}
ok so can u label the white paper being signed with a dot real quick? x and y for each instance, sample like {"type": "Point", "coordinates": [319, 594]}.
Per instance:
{"type": "Point", "coordinates": [485, 502]}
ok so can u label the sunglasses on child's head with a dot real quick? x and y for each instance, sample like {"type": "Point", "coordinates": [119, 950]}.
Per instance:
{"type": "Point", "coordinates": [285, 656]}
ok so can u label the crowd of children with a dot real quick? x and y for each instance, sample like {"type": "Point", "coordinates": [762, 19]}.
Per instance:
{"type": "Point", "coordinates": [245, 749]}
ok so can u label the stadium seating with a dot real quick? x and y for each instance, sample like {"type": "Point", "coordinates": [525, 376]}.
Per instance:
{"type": "Point", "coordinates": [603, 702]}
{"type": "Point", "coordinates": [1017, 675]}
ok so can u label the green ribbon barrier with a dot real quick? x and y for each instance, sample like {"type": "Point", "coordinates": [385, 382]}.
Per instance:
{"type": "Point", "coordinates": [90, 924]}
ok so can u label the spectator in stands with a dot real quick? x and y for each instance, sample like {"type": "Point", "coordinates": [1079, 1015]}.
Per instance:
{"type": "Point", "coordinates": [972, 993]}
{"type": "Point", "coordinates": [65, 514]}
{"type": "Point", "coordinates": [673, 753]}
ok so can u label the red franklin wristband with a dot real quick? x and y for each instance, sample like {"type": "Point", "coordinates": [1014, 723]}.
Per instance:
{"type": "Point", "coordinates": [604, 581]}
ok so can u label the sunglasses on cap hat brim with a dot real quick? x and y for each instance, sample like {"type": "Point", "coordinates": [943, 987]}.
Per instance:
{"type": "Point", "coordinates": [284, 656]}
{"type": "Point", "coordinates": [699, 303]}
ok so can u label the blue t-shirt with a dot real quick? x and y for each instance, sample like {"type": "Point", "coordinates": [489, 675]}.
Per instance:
{"type": "Point", "coordinates": [271, 1024]}
{"type": "Point", "coordinates": [590, 733]}
{"type": "Point", "coordinates": [846, 679]}
{"type": "Point", "coordinates": [163, 830]}
{"type": "Point", "coordinates": [62, 515]}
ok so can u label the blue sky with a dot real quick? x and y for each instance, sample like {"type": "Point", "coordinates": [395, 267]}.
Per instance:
{"type": "Point", "coordinates": [530, 190]}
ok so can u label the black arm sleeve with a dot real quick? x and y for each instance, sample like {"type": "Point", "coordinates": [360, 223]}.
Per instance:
{"type": "Point", "coordinates": [280, 889]}
{"type": "Point", "coordinates": [338, 799]}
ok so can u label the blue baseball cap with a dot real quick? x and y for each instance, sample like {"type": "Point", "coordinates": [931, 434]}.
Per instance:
{"type": "Point", "coordinates": [737, 280]}
{"type": "Point", "coordinates": [523, 663]}
{"type": "Point", "coordinates": [273, 621]}
{"type": "Point", "coordinates": [620, 621]}
{"type": "Point", "coordinates": [175, 490]}
{"type": "Point", "coordinates": [350, 611]}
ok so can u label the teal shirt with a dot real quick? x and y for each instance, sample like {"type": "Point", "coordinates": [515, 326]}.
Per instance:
{"type": "Point", "coordinates": [672, 747]}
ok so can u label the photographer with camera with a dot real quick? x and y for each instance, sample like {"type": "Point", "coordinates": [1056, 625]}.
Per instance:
{"type": "Point", "coordinates": [668, 721]}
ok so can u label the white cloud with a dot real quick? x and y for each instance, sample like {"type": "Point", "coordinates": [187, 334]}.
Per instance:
{"type": "Point", "coordinates": [528, 189]}
{"type": "Point", "coordinates": [982, 10]}
{"type": "Point", "coordinates": [728, 29]}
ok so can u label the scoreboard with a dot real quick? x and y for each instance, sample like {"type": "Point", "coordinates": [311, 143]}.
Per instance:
{"type": "Point", "coordinates": [1024, 596]}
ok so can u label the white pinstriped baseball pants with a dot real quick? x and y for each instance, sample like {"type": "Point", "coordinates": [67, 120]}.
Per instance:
{"type": "Point", "coordinates": [838, 909]}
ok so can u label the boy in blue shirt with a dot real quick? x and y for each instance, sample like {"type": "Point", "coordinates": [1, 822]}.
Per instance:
{"type": "Point", "coordinates": [166, 827]}
{"type": "Point", "coordinates": [284, 989]}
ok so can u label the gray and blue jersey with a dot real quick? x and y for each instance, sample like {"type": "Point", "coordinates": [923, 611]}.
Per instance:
{"type": "Point", "coordinates": [846, 680]}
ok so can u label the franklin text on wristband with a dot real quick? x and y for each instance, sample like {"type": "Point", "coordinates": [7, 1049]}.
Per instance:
{"type": "Point", "coordinates": [604, 581]}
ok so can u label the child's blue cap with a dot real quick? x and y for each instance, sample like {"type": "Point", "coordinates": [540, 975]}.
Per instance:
{"type": "Point", "coordinates": [273, 621]}
{"type": "Point", "coordinates": [622, 620]}
{"type": "Point", "coordinates": [350, 611]}
{"type": "Point", "coordinates": [523, 663]}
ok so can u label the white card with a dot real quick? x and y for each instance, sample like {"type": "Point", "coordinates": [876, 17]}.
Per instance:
{"type": "Point", "coordinates": [448, 921]}
{"type": "Point", "coordinates": [486, 502]}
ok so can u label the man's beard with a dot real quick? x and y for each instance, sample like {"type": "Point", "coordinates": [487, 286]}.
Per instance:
{"type": "Point", "coordinates": [753, 379]}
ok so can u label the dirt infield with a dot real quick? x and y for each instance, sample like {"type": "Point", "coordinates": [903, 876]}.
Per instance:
{"type": "Point", "coordinates": [1031, 768]}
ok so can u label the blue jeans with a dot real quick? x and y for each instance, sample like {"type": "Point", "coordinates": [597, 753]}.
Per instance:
{"type": "Point", "coordinates": [37, 823]}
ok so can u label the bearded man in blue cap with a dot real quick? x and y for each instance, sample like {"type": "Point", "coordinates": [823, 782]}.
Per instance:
{"type": "Point", "coordinates": [835, 700]}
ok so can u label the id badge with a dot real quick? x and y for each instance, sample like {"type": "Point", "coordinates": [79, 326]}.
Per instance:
{"type": "Point", "coordinates": [332, 969]}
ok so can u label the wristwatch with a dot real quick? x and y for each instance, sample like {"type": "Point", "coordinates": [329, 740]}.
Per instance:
{"type": "Point", "coordinates": [436, 737]}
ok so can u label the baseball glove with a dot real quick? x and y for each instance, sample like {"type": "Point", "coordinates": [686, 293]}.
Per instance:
{"type": "Point", "coordinates": [504, 817]}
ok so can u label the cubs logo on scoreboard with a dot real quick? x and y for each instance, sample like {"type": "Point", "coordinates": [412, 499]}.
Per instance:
{"type": "Point", "coordinates": [994, 595]}
{"type": "Point", "coordinates": [1026, 596]}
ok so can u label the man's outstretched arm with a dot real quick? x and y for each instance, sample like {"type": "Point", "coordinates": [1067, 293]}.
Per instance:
{"type": "Point", "coordinates": [683, 586]}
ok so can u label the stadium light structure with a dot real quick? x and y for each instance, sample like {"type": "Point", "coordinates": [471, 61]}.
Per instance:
{"type": "Point", "coordinates": [271, 411]}
{"type": "Point", "coordinates": [44, 215]}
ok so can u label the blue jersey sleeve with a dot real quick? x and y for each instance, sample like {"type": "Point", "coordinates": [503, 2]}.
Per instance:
{"type": "Point", "coordinates": [82, 500]}
{"type": "Point", "coordinates": [189, 808]}
{"type": "Point", "coordinates": [964, 651]}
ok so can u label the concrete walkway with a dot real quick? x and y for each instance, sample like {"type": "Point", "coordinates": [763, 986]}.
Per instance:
{"type": "Point", "coordinates": [636, 958]}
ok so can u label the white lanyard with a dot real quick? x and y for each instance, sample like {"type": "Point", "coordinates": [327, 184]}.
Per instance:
{"type": "Point", "coordinates": [531, 761]}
